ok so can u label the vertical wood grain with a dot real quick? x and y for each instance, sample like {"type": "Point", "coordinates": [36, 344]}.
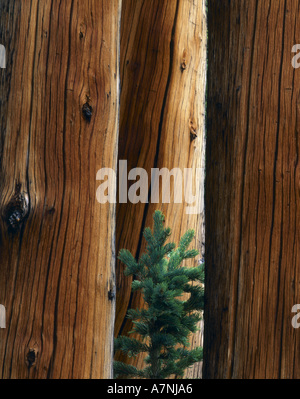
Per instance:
{"type": "Point", "coordinates": [163, 73]}
{"type": "Point", "coordinates": [57, 263]}
{"type": "Point", "coordinates": [252, 190]}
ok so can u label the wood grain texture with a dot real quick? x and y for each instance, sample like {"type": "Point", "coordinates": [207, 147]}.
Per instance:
{"type": "Point", "coordinates": [57, 260]}
{"type": "Point", "coordinates": [163, 71]}
{"type": "Point", "coordinates": [252, 190]}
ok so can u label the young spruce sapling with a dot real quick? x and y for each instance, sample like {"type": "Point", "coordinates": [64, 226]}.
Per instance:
{"type": "Point", "coordinates": [167, 320]}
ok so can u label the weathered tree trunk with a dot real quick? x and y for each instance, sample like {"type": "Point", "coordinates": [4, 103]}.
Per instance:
{"type": "Point", "coordinates": [163, 69]}
{"type": "Point", "coordinates": [252, 193]}
{"type": "Point", "coordinates": [58, 121]}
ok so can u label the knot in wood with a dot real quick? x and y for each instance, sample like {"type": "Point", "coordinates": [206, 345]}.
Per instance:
{"type": "Point", "coordinates": [31, 358]}
{"type": "Point", "coordinates": [87, 111]}
{"type": "Point", "coordinates": [183, 65]}
{"type": "Point", "coordinates": [193, 129]}
{"type": "Point", "coordinates": [16, 211]}
{"type": "Point", "coordinates": [111, 294]}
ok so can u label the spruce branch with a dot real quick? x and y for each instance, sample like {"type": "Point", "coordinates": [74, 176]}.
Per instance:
{"type": "Point", "coordinates": [166, 323]}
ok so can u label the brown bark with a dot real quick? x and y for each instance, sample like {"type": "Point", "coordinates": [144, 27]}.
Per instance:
{"type": "Point", "coordinates": [57, 242]}
{"type": "Point", "coordinates": [163, 61]}
{"type": "Point", "coordinates": [252, 194]}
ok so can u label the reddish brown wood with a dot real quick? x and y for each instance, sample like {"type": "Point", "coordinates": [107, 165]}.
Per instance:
{"type": "Point", "coordinates": [57, 256]}
{"type": "Point", "coordinates": [252, 193]}
{"type": "Point", "coordinates": [163, 66]}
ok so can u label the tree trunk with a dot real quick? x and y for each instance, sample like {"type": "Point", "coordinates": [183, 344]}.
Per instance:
{"type": "Point", "coordinates": [163, 70]}
{"type": "Point", "coordinates": [58, 121]}
{"type": "Point", "coordinates": [252, 216]}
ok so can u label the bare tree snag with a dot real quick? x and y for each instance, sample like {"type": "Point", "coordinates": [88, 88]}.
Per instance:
{"type": "Point", "coordinates": [163, 69]}
{"type": "Point", "coordinates": [252, 193]}
{"type": "Point", "coordinates": [58, 126]}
